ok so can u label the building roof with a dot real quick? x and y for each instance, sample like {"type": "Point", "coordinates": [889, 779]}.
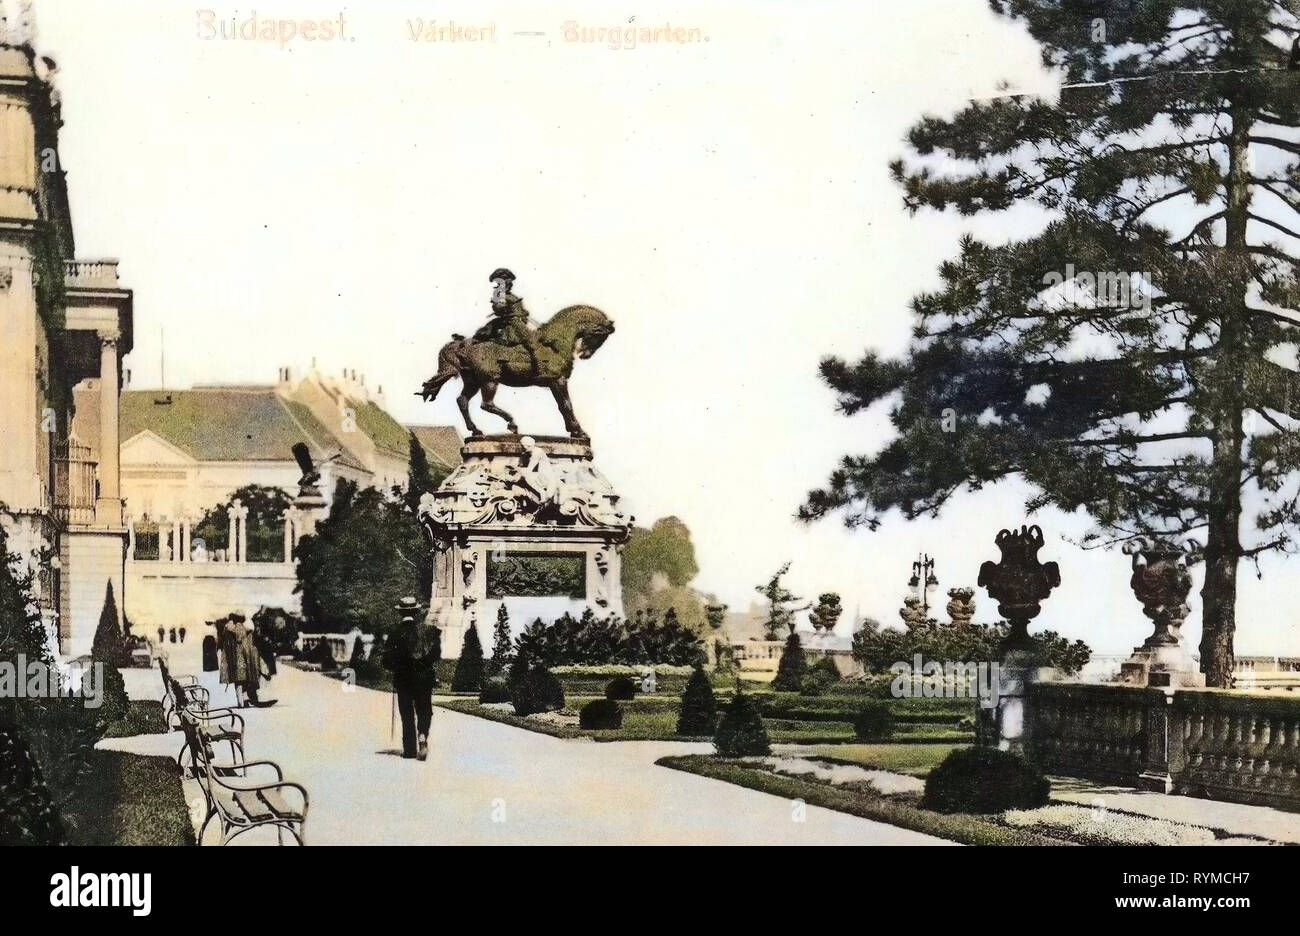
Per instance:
{"type": "Point", "coordinates": [383, 430]}
{"type": "Point", "coordinates": [229, 424]}
{"type": "Point", "coordinates": [441, 443]}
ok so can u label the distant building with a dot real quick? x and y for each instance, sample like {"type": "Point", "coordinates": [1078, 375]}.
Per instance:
{"type": "Point", "coordinates": [64, 326]}
{"type": "Point", "coordinates": [184, 451]}
{"type": "Point", "coordinates": [187, 451]}
{"type": "Point", "coordinates": [758, 657]}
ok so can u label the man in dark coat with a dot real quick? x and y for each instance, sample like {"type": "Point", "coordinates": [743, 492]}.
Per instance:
{"type": "Point", "coordinates": [411, 654]}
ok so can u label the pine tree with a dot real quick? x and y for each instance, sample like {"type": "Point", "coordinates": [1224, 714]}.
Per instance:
{"type": "Point", "coordinates": [469, 668]}
{"type": "Point", "coordinates": [699, 711]}
{"type": "Point", "coordinates": [780, 601]}
{"type": "Point", "coordinates": [1137, 389]}
{"type": "Point", "coordinates": [502, 645]}
{"type": "Point", "coordinates": [792, 666]}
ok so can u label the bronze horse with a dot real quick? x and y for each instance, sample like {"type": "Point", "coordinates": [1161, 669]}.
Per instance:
{"type": "Point", "coordinates": [574, 332]}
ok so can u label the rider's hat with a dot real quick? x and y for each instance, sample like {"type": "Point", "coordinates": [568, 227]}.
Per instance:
{"type": "Point", "coordinates": [501, 273]}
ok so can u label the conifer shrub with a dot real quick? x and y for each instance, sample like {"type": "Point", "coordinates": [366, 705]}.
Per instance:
{"type": "Point", "coordinates": [740, 731]}
{"type": "Point", "coordinates": [874, 721]}
{"type": "Point", "coordinates": [470, 668]}
{"type": "Point", "coordinates": [698, 715]}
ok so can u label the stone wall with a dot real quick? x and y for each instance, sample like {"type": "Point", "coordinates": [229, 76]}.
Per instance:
{"type": "Point", "coordinates": [172, 594]}
{"type": "Point", "coordinates": [1221, 744]}
{"type": "Point", "coordinates": [91, 560]}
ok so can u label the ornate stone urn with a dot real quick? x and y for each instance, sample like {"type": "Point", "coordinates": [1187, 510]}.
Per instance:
{"type": "Point", "coordinates": [961, 606]}
{"type": "Point", "coordinates": [1018, 582]}
{"type": "Point", "coordinates": [1161, 581]}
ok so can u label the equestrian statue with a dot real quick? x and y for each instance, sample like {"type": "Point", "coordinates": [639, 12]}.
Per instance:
{"type": "Point", "coordinates": [510, 350]}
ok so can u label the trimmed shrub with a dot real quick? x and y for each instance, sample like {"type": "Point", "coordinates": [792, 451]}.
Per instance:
{"type": "Point", "coordinates": [109, 649]}
{"type": "Point", "coordinates": [494, 690]}
{"type": "Point", "coordinates": [827, 665]}
{"type": "Point", "coordinates": [874, 721]}
{"type": "Point", "coordinates": [816, 682]}
{"type": "Point", "coordinates": [538, 690]}
{"type": "Point", "coordinates": [469, 668]}
{"type": "Point", "coordinates": [740, 731]}
{"type": "Point", "coordinates": [793, 667]}
{"type": "Point", "coordinates": [699, 711]}
{"type": "Point", "coordinates": [601, 715]}
{"type": "Point", "coordinates": [620, 689]}
{"type": "Point", "coordinates": [359, 658]}
{"type": "Point", "coordinates": [985, 780]}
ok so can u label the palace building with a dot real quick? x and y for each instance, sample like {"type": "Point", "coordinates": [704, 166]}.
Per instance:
{"type": "Point", "coordinates": [65, 325]}
{"type": "Point", "coordinates": [185, 452]}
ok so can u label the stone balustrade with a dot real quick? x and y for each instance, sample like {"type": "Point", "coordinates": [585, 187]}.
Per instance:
{"type": "Point", "coordinates": [1226, 745]}
{"type": "Point", "coordinates": [90, 274]}
{"type": "Point", "coordinates": [341, 646]}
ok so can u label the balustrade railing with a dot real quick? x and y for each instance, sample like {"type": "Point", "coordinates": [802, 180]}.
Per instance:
{"type": "Point", "coordinates": [75, 485]}
{"type": "Point", "coordinates": [1221, 744]}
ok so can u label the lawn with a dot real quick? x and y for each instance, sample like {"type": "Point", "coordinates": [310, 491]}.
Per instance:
{"type": "Point", "coordinates": [915, 760]}
{"type": "Point", "coordinates": [897, 810]}
{"type": "Point", "coordinates": [142, 717]}
{"type": "Point", "coordinates": [128, 799]}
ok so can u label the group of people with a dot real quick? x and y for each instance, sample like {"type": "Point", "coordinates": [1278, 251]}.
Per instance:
{"type": "Point", "coordinates": [245, 658]}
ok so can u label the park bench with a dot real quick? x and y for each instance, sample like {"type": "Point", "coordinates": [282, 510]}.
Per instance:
{"type": "Point", "coordinates": [235, 800]}
{"type": "Point", "coordinates": [183, 694]}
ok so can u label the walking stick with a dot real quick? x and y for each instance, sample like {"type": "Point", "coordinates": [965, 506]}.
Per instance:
{"type": "Point", "coordinates": [392, 719]}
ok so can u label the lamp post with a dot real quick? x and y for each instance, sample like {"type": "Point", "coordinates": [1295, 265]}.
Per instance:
{"type": "Point", "coordinates": [923, 581]}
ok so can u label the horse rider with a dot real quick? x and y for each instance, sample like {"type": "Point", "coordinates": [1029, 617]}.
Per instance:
{"type": "Point", "coordinates": [510, 325]}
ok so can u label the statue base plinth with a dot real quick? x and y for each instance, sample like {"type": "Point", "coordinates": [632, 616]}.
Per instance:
{"type": "Point", "coordinates": [1166, 666]}
{"type": "Point", "coordinates": [522, 501]}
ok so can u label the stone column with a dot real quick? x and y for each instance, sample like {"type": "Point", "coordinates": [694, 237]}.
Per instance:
{"type": "Point", "coordinates": [242, 530]}
{"type": "Point", "coordinates": [178, 553]}
{"type": "Point", "coordinates": [288, 537]}
{"type": "Point", "coordinates": [108, 507]}
{"type": "Point", "coordinates": [186, 555]}
{"type": "Point", "coordinates": [1156, 774]}
{"type": "Point", "coordinates": [232, 542]}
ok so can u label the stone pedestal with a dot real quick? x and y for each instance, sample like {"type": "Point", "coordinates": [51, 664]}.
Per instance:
{"type": "Point", "coordinates": [515, 498]}
{"type": "Point", "coordinates": [1003, 721]}
{"type": "Point", "coordinates": [1170, 667]}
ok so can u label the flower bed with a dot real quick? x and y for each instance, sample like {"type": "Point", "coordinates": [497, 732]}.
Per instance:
{"type": "Point", "coordinates": [1105, 827]}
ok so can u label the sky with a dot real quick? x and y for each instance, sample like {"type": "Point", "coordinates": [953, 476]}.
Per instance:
{"type": "Point", "coordinates": [725, 200]}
